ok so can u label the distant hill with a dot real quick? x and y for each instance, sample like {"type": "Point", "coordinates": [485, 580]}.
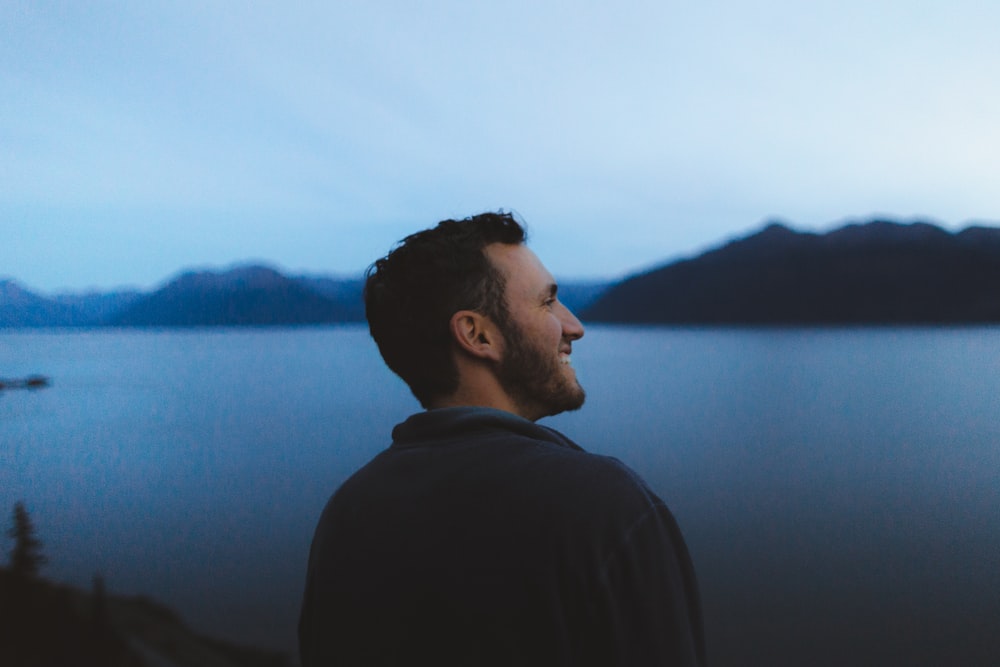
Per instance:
{"type": "Point", "coordinates": [578, 295]}
{"type": "Point", "coordinates": [95, 308]}
{"type": "Point", "coordinates": [881, 272]}
{"type": "Point", "coordinates": [251, 295]}
{"type": "Point", "coordinates": [346, 292]}
{"type": "Point", "coordinates": [20, 307]}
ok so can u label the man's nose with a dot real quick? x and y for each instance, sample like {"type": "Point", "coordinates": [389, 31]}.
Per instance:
{"type": "Point", "coordinates": [572, 327]}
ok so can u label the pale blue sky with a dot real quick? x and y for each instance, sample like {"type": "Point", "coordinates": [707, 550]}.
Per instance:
{"type": "Point", "coordinates": [138, 138]}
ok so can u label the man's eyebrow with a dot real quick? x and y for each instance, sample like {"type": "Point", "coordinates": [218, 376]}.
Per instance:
{"type": "Point", "coordinates": [550, 290]}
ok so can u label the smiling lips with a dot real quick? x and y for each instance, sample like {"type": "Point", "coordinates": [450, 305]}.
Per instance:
{"type": "Point", "coordinates": [564, 358]}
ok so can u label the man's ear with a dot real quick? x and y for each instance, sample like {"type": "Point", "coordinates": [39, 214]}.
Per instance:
{"type": "Point", "coordinates": [476, 334]}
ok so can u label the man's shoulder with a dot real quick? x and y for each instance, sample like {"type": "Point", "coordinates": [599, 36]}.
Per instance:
{"type": "Point", "coordinates": [495, 434]}
{"type": "Point", "coordinates": [596, 483]}
{"type": "Point", "coordinates": [486, 448]}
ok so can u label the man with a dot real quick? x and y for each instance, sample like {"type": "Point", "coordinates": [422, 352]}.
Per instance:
{"type": "Point", "coordinates": [479, 537]}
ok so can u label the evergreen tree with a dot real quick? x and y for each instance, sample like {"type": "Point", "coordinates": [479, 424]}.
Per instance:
{"type": "Point", "coordinates": [26, 559]}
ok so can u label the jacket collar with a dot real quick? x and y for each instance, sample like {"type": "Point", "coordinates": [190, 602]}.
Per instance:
{"type": "Point", "coordinates": [445, 423]}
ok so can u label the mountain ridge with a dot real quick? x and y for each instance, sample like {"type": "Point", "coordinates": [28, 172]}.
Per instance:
{"type": "Point", "coordinates": [253, 295]}
{"type": "Point", "coordinates": [879, 272]}
{"type": "Point", "coordinates": [876, 272]}
{"type": "Point", "coordinates": [240, 295]}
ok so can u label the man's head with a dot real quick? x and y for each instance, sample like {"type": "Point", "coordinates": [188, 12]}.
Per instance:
{"type": "Point", "coordinates": [474, 272]}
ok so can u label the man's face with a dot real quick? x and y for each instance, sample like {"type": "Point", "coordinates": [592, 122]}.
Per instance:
{"type": "Point", "coordinates": [535, 370]}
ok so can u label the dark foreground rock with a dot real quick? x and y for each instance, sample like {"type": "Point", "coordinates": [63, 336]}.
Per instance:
{"type": "Point", "coordinates": [44, 624]}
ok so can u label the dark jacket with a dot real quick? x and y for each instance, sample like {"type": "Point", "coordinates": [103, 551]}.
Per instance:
{"type": "Point", "coordinates": [481, 538]}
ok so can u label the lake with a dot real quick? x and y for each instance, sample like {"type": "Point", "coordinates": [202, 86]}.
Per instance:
{"type": "Point", "coordinates": [839, 488]}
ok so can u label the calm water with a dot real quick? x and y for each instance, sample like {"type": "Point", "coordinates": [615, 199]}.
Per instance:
{"type": "Point", "coordinates": [839, 489]}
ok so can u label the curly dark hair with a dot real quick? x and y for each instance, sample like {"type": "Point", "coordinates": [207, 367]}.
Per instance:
{"type": "Point", "coordinates": [411, 294]}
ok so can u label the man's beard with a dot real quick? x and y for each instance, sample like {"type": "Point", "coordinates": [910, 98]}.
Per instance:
{"type": "Point", "coordinates": [535, 379]}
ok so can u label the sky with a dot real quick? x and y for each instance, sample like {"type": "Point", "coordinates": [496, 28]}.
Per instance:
{"type": "Point", "coordinates": [141, 138]}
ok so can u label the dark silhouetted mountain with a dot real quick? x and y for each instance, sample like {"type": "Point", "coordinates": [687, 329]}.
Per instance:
{"type": "Point", "coordinates": [882, 272]}
{"type": "Point", "coordinates": [251, 295]}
